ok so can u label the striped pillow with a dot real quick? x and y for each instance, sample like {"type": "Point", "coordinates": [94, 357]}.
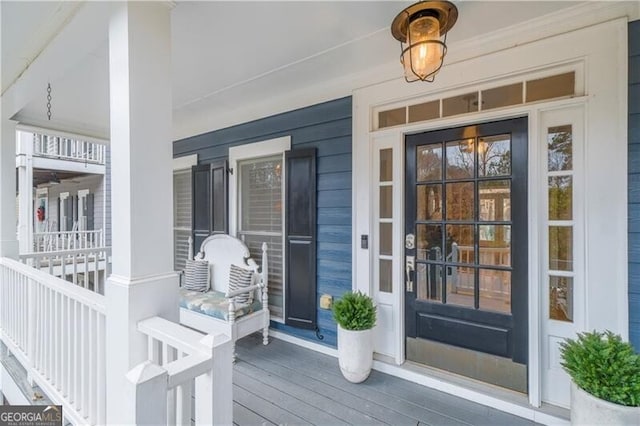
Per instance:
{"type": "Point", "coordinates": [240, 278]}
{"type": "Point", "coordinates": [196, 275]}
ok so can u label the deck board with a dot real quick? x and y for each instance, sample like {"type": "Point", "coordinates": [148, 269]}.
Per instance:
{"type": "Point", "coordinates": [291, 379]}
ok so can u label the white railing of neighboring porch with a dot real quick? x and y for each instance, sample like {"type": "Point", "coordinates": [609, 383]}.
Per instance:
{"type": "Point", "coordinates": [56, 330]}
{"type": "Point", "coordinates": [67, 240]}
{"type": "Point", "coordinates": [68, 148]}
{"type": "Point", "coordinates": [87, 268]}
{"type": "Point", "coordinates": [181, 359]}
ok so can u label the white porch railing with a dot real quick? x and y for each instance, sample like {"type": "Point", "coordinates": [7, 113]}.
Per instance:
{"type": "Point", "coordinates": [56, 330]}
{"type": "Point", "coordinates": [68, 149]}
{"type": "Point", "coordinates": [182, 360]}
{"type": "Point", "coordinates": [67, 240]}
{"type": "Point", "coordinates": [87, 268]}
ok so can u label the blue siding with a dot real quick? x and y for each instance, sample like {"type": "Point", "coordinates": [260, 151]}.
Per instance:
{"type": "Point", "coordinates": [634, 183]}
{"type": "Point", "coordinates": [327, 127]}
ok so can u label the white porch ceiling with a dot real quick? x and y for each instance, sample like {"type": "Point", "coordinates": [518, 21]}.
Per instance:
{"type": "Point", "coordinates": [229, 57]}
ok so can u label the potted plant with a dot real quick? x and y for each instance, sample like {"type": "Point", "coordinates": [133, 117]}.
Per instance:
{"type": "Point", "coordinates": [356, 317]}
{"type": "Point", "coordinates": [605, 375]}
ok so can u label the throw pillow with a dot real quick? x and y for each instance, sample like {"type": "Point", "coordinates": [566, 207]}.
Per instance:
{"type": "Point", "coordinates": [196, 275]}
{"type": "Point", "coordinates": [240, 278]}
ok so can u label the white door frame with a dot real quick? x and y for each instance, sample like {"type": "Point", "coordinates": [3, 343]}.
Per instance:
{"type": "Point", "coordinates": [591, 52]}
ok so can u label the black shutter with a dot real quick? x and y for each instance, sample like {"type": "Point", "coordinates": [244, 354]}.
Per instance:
{"type": "Point", "coordinates": [76, 214]}
{"type": "Point", "coordinates": [300, 238]}
{"type": "Point", "coordinates": [90, 212]}
{"type": "Point", "coordinates": [219, 198]}
{"type": "Point", "coordinates": [59, 214]}
{"type": "Point", "coordinates": [210, 195]}
{"type": "Point", "coordinates": [201, 211]}
{"type": "Point", "coordinates": [68, 212]}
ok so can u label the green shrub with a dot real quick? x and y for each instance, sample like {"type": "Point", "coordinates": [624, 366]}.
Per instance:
{"type": "Point", "coordinates": [604, 366]}
{"type": "Point", "coordinates": [355, 311]}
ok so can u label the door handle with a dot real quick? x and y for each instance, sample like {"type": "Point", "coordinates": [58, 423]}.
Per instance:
{"type": "Point", "coordinates": [410, 266]}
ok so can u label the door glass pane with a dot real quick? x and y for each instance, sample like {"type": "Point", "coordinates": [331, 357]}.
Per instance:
{"type": "Point", "coordinates": [460, 244]}
{"type": "Point", "coordinates": [386, 202]}
{"type": "Point", "coordinates": [559, 149]}
{"type": "Point", "coordinates": [495, 245]}
{"type": "Point", "coordinates": [551, 87]}
{"type": "Point", "coordinates": [385, 275]}
{"type": "Point", "coordinates": [561, 298]}
{"type": "Point", "coordinates": [386, 165]}
{"type": "Point", "coordinates": [429, 162]}
{"type": "Point", "coordinates": [460, 201]}
{"type": "Point", "coordinates": [425, 111]}
{"type": "Point", "coordinates": [460, 104]}
{"type": "Point", "coordinates": [494, 156]}
{"type": "Point", "coordinates": [386, 244]}
{"type": "Point", "coordinates": [561, 248]}
{"type": "Point", "coordinates": [429, 204]}
{"type": "Point", "coordinates": [495, 200]}
{"type": "Point", "coordinates": [460, 286]}
{"type": "Point", "coordinates": [392, 117]}
{"type": "Point", "coordinates": [502, 96]}
{"type": "Point", "coordinates": [429, 282]}
{"type": "Point", "coordinates": [560, 198]}
{"type": "Point", "coordinates": [429, 242]}
{"type": "Point", "coordinates": [495, 290]}
{"type": "Point", "coordinates": [460, 161]}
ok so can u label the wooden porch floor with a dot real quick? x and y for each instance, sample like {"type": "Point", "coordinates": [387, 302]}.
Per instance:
{"type": "Point", "coordinates": [283, 383]}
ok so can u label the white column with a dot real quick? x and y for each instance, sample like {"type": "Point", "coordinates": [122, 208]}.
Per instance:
{"type": "Point", "coordinates": [142, 283]}
{"type": "Point", "coordinates": [25, 191]}
{"type": "Point", "coordinates": [8, 240]}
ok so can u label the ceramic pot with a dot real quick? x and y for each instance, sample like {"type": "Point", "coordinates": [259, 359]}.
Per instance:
{"type": "Point", "coordinates": [355, 353]}
{"type": "Point", "coordinates": [587, 409]}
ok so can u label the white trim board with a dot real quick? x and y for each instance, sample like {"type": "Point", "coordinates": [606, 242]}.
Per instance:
{"type": "Point", "coordinates": [10, 389]}
{"type": "Point", "coordinates": [185, 162]}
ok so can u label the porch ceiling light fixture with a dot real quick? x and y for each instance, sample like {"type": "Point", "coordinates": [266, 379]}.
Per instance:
{"type": "Point", "coordinates": [420, 28]}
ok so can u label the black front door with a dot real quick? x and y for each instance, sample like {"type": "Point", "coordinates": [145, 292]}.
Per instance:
{"type": "Point", "coordinates": [466, 237]}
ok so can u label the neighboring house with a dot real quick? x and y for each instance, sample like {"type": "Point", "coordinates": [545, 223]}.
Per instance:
{"type": "Point", "coordinates": [62, 191]}
{"type": "Point", "coordinates": [490, 214]}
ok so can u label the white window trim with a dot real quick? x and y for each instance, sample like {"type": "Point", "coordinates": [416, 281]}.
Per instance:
{"type": "Point", "coordinates": [265, 148]}
{"type": "Point", "coordinates": [185, 162]}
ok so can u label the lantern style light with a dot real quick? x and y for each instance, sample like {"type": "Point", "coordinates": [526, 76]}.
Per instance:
{"type": "Point", "coordinates": [420, 28]}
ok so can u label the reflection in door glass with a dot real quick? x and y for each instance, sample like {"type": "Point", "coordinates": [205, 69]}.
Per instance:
{"type": "Point", "coordinates": [560, 197]}
{"type": "Point", "coordinates": [561, 248]}
{"type": "Point", "coordinates": [429, 242]}
{"type": "Point", "coordinates": [460, 161]}
{"type": "Point", "coordinates": [495, 200]}
{"type": "Point", "coordinates": [386, 266]}
{"type": "Point", "coordinates": [429, 162]}
{"type": "Point", "coordinates": [460, 248]}
{"type": "Point", "coordinates": [429, 202]}
{"type": "Point", "coordinates": [495, 245]}
{"type": "Point", "coordinates": [561, 298]}
{"type": "Point", "coordinates": [460, 286]}
{"type": "Point", "coordinates": [429, 282]}
{"type": "Point", "coordinates": [494, 156]}
{"type": "Point", "coordinates": [559, 149]}
{"type": "Point", "coordinates": [495, 290]}
{"type": "Point", "coordinates": [460, 201]}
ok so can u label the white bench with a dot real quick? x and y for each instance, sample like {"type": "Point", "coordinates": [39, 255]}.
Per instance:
{"type": "Point", "coordinates": [216, 310]}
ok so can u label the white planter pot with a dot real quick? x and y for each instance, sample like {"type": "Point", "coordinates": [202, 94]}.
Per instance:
{"type": "Point", "coordinates": [587, 409]}
{"type": "Point", "coordinates": [355, 354]}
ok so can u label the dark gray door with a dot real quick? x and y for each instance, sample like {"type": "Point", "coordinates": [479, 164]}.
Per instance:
{"type": "Point", "coordinates": [466, 228]}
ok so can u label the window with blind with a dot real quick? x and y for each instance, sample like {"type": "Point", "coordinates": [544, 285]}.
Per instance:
{"type": "Point", "coordinates": [260, 198]}
{"type": "Point", "coordinates": [181, 217]}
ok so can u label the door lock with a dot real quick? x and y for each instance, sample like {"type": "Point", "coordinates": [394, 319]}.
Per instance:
{"type": "Point", "coordinates": [410, 266]}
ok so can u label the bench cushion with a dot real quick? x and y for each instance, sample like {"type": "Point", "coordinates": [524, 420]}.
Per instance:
{"type": "Point", "coordinates": [214, 304]}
